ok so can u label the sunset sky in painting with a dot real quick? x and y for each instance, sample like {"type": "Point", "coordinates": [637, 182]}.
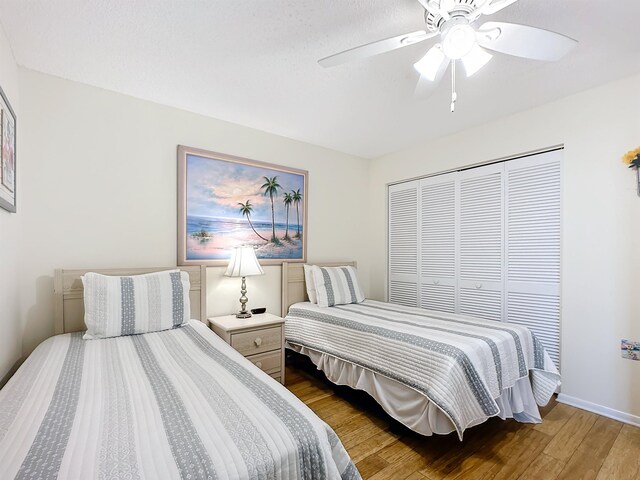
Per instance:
{"type": "Point", "coordinates": [215, 187]}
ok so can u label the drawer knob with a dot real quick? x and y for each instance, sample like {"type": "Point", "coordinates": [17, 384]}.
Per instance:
{"type": "Point", "coordinates": [258, 341]}
{"type": "Point", "coordinates": [259, 364]}
{"type": "Point", "coordinates": [436, 282]}
{"type": "Point", "coordinates": [478, 285]}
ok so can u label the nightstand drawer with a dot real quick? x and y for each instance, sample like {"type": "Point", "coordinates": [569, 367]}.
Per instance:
{"type": "Point", "coordinates": [257, 341]}
{"type": "Point", "coordinates": [270, 362]}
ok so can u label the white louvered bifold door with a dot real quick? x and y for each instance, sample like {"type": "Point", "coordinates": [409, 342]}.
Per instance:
{"type": "Point", "coordinates": [481, 242]}
{"type": "Point", "coordinates": [532, 187]}
{"type": "Point", "coordinates": [404, 214]}
{"type": "Point", "coordinates": [438, 196]}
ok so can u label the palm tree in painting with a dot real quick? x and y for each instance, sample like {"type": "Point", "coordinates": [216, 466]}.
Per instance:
{"type": "Point", "coordinates": [270, 188]}
{"type": "Point", "coordinates": [288, 200]}
{"type": "Point", "coordinates": [246, 209]}
{"type": "Point", "coordinates": [296, 196]}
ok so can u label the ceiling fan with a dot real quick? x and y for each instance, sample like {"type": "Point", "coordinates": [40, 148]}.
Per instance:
{"type": "Point", "coordinates": [459, 39]}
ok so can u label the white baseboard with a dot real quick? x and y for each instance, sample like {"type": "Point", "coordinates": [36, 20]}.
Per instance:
{"type": "Point", "coordinates": [600, 410]}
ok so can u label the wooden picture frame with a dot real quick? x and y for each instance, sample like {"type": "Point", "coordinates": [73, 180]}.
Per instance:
{"type": "Point", "coordinates": [8, 155]}
{"type": "Point", "coordinates": [226, 201]}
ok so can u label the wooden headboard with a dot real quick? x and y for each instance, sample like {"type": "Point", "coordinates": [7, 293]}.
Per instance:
{"type": "Point", "coordinates": [294, 288]}
{"type": "Point", "coordinates": [69, 299]}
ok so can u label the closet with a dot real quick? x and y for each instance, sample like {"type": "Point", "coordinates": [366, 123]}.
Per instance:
{"type": "Point", "coordinates": [483, 241]}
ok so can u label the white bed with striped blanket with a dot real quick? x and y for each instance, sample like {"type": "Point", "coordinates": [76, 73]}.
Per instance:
{"type": "Point", "coordinates": [432, 371]}
{"type": "Point", "coordinates": [179, 403]}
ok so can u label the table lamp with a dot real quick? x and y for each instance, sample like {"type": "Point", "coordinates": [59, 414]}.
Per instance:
{"type": "Point", "coordinates": [243, 263]}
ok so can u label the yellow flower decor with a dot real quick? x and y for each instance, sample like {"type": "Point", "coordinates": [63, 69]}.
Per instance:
{"type": "Point", "coordinates": [632, 158]}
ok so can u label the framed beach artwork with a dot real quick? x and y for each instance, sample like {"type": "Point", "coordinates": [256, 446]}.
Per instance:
{"type": "Point", "coordinates": [226, 201]}
{"type": "Point", "coordinates": [7, 154]}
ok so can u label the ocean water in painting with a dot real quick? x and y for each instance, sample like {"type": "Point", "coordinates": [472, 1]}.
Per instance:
{"type": "Point", "coordinates": [221, 225]}
{"type": "Point", "coordinates": [212, 238]}
{"type": "Point", "coordinates": [231, 204]}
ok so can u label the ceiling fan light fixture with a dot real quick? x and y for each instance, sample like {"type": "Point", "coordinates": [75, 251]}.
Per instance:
{"type": "Point", "coordinates": [475, 60]}
{"type": "Point", "coordinates": [458, 41]}
{"type": "Point", "coordinates": [453, 22]}
{"type": "Point", "coordinates": [429, 65]}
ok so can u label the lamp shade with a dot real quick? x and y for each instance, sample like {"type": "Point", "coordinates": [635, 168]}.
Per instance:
{"type": "Point", "coordinates": [243, 263]}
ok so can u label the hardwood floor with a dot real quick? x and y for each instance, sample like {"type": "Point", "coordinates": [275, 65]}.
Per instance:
{"type": "Point", "coordinates": [569, 444]}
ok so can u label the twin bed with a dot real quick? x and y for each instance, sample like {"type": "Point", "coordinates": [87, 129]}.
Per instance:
{"type": "Point", "coordinates": [175, 403]}
{"type": "Point", "coordinates": [434, 372]}
{"type": "Point", "coordinates": [178, 402]}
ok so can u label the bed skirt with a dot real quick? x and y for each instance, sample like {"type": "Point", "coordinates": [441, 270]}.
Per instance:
{"type": "Point", "coordinates": [412, 408]}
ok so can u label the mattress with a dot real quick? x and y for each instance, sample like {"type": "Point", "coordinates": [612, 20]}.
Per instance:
{"type": "Point", "coordinates": [166, 405]}
{"type": "Point", "coordinates": [434, 372]}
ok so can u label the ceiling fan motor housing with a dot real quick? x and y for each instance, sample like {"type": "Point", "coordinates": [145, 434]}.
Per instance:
{"type": "Point", "coordinates": [456, 8]}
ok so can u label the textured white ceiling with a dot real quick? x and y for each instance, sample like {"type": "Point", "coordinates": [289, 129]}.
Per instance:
{"type": "Point", "coordinates": [253, 62]}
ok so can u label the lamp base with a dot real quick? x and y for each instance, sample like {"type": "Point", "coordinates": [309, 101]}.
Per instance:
{"type": "Point", "coordinates": [243, 313]}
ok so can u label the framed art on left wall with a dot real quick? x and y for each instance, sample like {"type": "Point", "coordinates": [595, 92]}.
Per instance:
{"type": "Point", "coordinates": [7, 154]}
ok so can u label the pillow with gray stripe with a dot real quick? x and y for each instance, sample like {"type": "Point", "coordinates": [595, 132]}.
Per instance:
{"type": "Point", "coordinates": [337, 285]}
{"type": "Point", "coordinates": [116, 306]}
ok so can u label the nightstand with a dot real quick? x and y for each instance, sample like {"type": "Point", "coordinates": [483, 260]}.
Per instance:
{"type": "Point", "coordinates": [259, 338]}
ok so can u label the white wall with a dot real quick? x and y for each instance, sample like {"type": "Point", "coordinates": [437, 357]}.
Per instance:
{"type": "Point", "coordinates": [601, 215]}
{"type": "Point", "coordinates": [11, 336]}
{"type": "Point", "coordinates": [99, 175]}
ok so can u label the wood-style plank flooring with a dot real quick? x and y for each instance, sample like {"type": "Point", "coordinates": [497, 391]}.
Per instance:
{"type": "Point", "coordinates": [569, 444]}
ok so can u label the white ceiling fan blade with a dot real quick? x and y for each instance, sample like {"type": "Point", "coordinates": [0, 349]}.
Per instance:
{"type": "Point", "coordinates": [375, 48]}
{"type": "Point", "coordinates": [495, 6]}
{"type": "Point", "coordinates": [432, 64]}
{"type": "Point", "coordinates": [435, 6]}
{"type": "Point", "coordinates": [475, 60]}
{"type": "Point", "coordinates": [524, 41]}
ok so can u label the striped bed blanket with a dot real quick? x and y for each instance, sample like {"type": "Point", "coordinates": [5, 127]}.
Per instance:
{"type": "Point", "coordinates": [462, 364]}
{"type": "Point", "coordinates": [177, 404]}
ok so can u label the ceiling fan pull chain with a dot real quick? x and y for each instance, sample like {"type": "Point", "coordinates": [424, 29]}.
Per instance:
{"type": "Point", "coordinates": [454, 95]}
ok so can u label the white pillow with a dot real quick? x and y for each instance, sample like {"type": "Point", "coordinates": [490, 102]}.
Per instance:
{"type": "Point", "coordinates": [337, 285]}
{"type": "Point", "coordinates": [115, 306]}
{"type": "Point", "coordinates": [311, 284]}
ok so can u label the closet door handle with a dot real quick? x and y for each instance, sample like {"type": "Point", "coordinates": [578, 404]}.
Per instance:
{"type": "Point", "coordinates": [478, 286]}
{"type": "Point", "coordinates": [436, 282]}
